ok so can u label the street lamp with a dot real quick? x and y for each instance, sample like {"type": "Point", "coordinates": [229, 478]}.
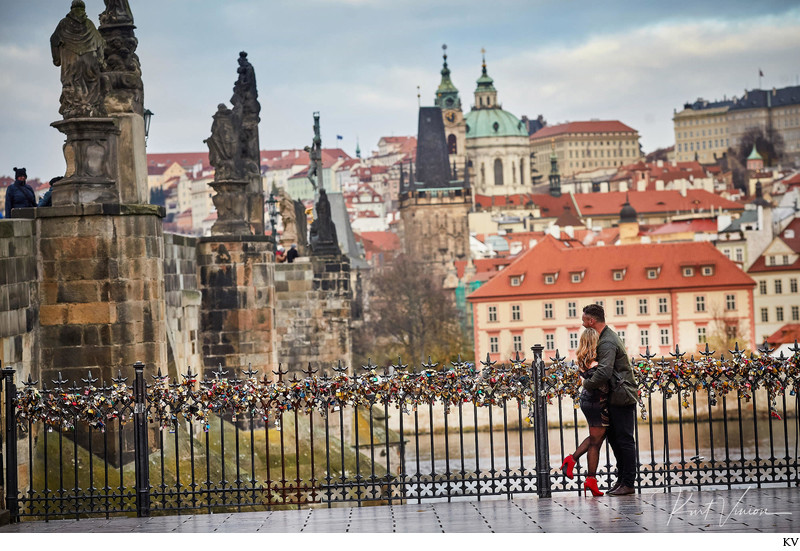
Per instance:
{"type": "Point", "coordinates": [272, 208]}
{"type": "Point", "coordinates": [147, 116]}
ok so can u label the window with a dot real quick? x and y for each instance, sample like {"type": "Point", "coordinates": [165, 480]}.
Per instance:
{"type": "Point", "coordinates": [795, 313]}
{"type": "Point", "coordinates": [779, 313]}
{"type": "Point", "coordinates": [762, 287]}
{"type": "Point", "coordinates": [688, 271]}
{"type": "Point", "coordinates": [764, 315]}
{"type": "Point", "coordinates": [644, 337]}
{"type": "Point", "coordinates": [498, 172]}
{"type": "Point", "coordinates": [515, 281]}
{"type": "Point", "coordinates": [662, 305]}
{"type": "Point", "coordinates": [575, 277]}
{"type": "Point", "coordinates": [573, 341]}
{"type": "Point", "coordinates": [701, 335]}
{"type": "Point", "coordinates": [727, 253]}
{"type": "Point", "coordinates": [778, 286]}
{"type": "Point", "coordinates": [652, 273]}
{"type": "Point", "coordinates": [572, 309]}
{"type": "Point", "coordinates": [517, 343]}
{"type": "Point", "coordinates": [699, 304]}
{"type": "Point", "coordinates": [492, 313]}
{"type": "Point", "coordinates": [600, 303]}
{"type": "Point", "coordinates": [730, 302]}
{"type": "Point", "coordinates": [621, 336]}
{"type": "Point", "coordinates": [515, 312]}
{"type": "Point", "coordinates": [550, 341]}
{"type": "Point", "coordinates": [665, 337]}
{"type": "Point", "coordinates": [548, 310]}
{"type": "Point", "coordinates": [707, 270]}
{"type": "Point", "coordinates": [549, 279]}
{"type": "Point", "coordinates": [785, 259]}
{"type": "Point", "coordinates": [642, 306]}
{"type": "Point", "coordinates": [494, 346]}
{"type": "Point", "coordinates": [619, 305]}
{"type": "Point", "coordinates": [618, 275]}
{"type": "Point", "coordinates": [793, 285]}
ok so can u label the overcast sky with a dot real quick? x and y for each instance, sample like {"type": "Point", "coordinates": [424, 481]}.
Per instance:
{"type": "Point", "coordinates": [359, 63]}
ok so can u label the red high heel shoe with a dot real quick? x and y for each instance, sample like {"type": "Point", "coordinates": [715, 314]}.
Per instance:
{"type": "Point", "coordinates": [591, 484]}
{"type": "Point", "coordinates": [567, 465]}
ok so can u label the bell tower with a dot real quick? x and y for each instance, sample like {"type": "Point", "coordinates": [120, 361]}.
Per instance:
{"type": "Point", "coordinates": [455, 128]}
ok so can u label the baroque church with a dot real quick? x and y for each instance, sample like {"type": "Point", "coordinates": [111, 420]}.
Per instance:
{"type": "Point", "coordinates": [493, 143]}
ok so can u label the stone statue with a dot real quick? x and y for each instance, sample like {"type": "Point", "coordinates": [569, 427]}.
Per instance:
{"type": "Point", "coordinates": [246, 111]}
{"type": "Point", "coordinates": [315, 156]}
{"type": "Point", "coordinates": [77, 48]}
{"type": "Point", "coordinates": [322, 238]}
{"type": "Point", "coordinates": [118, 12]}
{"type": "Point", "coordinates": [222, 145]}
{"type": "Point", "coordinates": [288, 217]}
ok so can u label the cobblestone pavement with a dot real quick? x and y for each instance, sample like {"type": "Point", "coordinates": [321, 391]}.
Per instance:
{"type": "Point", "coordinates": [682, 511]}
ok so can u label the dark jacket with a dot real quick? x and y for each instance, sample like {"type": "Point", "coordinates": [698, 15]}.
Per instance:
{"type": "Point", "coordinates": [593, 394]}
{"type": "Point", "coordinates": [19, 195]}
{"type": "Point", "coordinates": [613, 369]}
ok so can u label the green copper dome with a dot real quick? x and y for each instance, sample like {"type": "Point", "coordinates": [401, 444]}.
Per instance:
{"type": "Point", "coordinates": [486, 123]}
{"type": "Point", "coordinates": [755, 155]}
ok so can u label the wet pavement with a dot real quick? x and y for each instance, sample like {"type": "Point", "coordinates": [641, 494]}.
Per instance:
{"type": "Point", "coordinates": [767, 510]}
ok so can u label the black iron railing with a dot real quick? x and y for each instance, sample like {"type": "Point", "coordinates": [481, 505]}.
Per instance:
{"type": "Point", "coordinates": [382, 436]}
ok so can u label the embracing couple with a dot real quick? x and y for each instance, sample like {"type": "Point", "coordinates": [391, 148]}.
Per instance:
{"type": "Point", "coordinates": [608, 400]}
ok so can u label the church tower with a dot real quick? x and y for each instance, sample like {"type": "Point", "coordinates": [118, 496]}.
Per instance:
{"type": "Point", "coordinates": [455, 128]}
{"type": "Point", "coordinates": [555, 177]}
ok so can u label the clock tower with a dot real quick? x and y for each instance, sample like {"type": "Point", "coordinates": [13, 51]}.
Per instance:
{"type": "Point", "coordinates": [455, 128]}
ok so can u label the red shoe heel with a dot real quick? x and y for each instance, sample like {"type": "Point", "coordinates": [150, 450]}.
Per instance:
{"type": "Point", "coordinates": [590, 484]}
{"type": "Point", "coordinates": [567, 466]}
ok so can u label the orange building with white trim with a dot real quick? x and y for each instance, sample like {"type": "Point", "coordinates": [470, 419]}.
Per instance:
{"type": "Point", "coordinates": [655, 295]}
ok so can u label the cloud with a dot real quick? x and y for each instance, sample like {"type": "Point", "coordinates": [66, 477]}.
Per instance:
{"type": "Point", "coordinates": [639, 77]}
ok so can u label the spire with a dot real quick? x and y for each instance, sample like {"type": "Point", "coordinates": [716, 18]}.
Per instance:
{"type": "Point", "coordinates": [447, 93]}
{"type": "Point", "coordinates": [485, 92]}
{"type": "Point", "coordinates": [358, 149]}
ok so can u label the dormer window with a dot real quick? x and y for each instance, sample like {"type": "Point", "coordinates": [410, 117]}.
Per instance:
{"type": "Point", "coordinates": [707, 270]}
{"type": "Point", "coordinates": [618, 275]}
{"type": "Point", "coordinates": [688, 271]}
{"type": "Point", "coordinates": [516, 281]}
{"type": "Point", "coordinates": [576, 277]}
{"type": "Point", "coordinates": [652, 273]}
{"type": "Point", "coordinates": [550, 279]}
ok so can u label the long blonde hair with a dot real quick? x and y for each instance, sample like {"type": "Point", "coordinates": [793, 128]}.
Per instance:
{"type": "Point", "coordinates": [587, 349]}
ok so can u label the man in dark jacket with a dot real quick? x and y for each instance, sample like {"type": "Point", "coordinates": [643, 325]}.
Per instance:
{"type": "Point", "coordinates": [19, 194]}
{"type": "Point", "coordinates": [292, 253]}
{"type": "Point", "coordinates": [614, 369]}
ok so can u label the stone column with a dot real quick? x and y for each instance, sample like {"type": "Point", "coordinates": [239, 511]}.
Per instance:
{"type": "Point", "coordinates": [237, 305]}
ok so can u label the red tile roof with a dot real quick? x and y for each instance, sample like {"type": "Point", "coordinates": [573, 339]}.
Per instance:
{"type": "Point", "coordinates": [698, 225]}
{"type": "Point", "coordinates": [482, 266]}
{"type": "Point", "coordinates": [581, 127]}
{"type": "Point", "coordinates": [760, 265]}
{"type": "Point", "coordinates": [597, 264]}
{"type": "Point", "coordinates": [652, 202]}
{"type": "Point", "coordinates": [787, 334]}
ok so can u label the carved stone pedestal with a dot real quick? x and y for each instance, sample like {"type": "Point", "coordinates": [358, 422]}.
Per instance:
{"type": "Point", "coordinates": [91, 155]}
{"type": "Point", "coordinates": [231, 202]}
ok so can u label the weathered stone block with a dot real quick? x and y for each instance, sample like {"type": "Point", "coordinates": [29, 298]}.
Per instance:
{"type": "Point", "coordinates": [89, 313]}
{"type": "Point", "coordinates": [53, 314]}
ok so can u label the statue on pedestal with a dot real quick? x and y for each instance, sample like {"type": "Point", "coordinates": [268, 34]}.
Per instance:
{"type": "Point", "coordinates": [118, 12]}
{"type": "Point", "coordinates": [246, 110]}
{"type": "Point", "coordinates": [322, 237]}
{"type": "Point", "coordinates": [125, 88]}
{"type": "Point", "coordinates": [78, 48]}
{"type": "Point", "coordinates": [223, 144]}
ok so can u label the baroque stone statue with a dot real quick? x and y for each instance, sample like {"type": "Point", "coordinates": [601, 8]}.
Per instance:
{"type": "Point", "coordinates": [223, 144]}
{"type": "Point", "coordinates": [246, 111]}
{"type": "Point", "coordinates": [322, 237]}
{"type": "Point", "coordinates": [123, 71]}
{"type": "Point", "coordinates": [78, 48]}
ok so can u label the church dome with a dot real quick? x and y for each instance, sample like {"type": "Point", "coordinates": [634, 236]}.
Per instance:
{"type": "Point", "coordinates": [628, 213]}
{"type": "Point", "coordinates": [488, 123]}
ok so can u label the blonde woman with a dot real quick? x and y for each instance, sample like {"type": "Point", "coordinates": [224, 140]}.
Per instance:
{"type": "Point", "coordinates": [594, 404]}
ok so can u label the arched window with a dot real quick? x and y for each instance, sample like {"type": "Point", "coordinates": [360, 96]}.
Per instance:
{"type": "Point", "coordinates": [498, 172]}
{"type": "Point", "coordinates": [451, 144]}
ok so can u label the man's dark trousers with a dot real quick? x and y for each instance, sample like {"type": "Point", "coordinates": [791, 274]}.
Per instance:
{"type": "Point", "coordinates": [620, 438]}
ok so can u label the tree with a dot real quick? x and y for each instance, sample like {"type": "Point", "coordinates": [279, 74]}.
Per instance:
{"type": "Point", "coordinates": [409, 315]}
{"type": "Point", "coordinates": [769, 144]}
